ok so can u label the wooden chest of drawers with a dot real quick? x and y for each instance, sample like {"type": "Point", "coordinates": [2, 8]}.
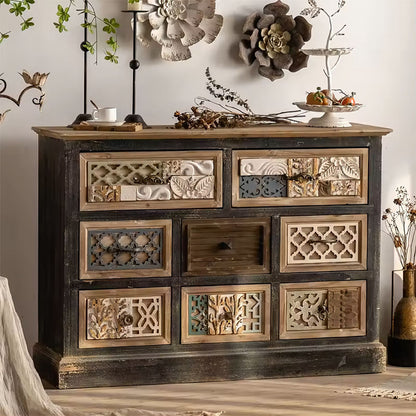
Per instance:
{"type": "Point", "coordinates": [177, 256]}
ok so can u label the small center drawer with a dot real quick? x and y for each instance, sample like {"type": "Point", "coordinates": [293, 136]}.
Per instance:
{"type": "Point", "coordinates": [227, 246]}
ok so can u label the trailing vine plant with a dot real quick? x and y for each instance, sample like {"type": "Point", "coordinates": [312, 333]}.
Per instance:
{"type": "Point", "coordinates": [20, 8]}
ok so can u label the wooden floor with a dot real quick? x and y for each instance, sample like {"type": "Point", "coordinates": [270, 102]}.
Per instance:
{"type": "Point", "coordinates": [294, 397]}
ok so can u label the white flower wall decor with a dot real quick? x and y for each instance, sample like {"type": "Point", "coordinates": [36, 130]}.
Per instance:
{"type": "Point", "coordinates": [178, 24]}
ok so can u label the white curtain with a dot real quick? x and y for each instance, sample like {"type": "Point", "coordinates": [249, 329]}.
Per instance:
{"type": "Point", "coordinates": [21, 390]}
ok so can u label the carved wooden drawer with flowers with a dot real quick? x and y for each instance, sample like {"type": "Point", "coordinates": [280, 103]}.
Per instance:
{"type": "Point", "coordinates": [227, 246]}
{"type": "Point", "coordinates": [151, 180]}
{"type": "Point", "coordinates": [323, 243]}
{"type": "Point", "coordinates": [117, 249]}
{"type": "Point", "coordinates": [124, 317]}
{"type": "Point", "coordinates": [322, 309]}
{"type": "Point", "coordinates": [300, 177]}
{"type": "Point", "coordinates": [225, 313]}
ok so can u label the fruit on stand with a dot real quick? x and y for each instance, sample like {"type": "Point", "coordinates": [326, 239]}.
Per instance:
{"type": "Point", "coordinates": [348, 99]}
{"type": "Point", "coordinates": [324, 97]}
{"type": "Point", "coordinates": [317, 98]}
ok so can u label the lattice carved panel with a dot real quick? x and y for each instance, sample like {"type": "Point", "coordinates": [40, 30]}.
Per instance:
{"type": "Point", "coordinates": [324, 242]}
{"type": "Point", "coordinates": [125, 249]}
{"type": "Point", "coordinates": [214, 317]}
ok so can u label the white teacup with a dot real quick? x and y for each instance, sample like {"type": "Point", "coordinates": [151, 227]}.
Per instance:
{"type": "Point", "coordinates": [108, 114]}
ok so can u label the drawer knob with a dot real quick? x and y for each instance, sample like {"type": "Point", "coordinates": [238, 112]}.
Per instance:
{"type": "Point", "coordinates": [323, 241]}
{"type": "Point", "coordinates": [125, 320]}
{"type": "Point", "coordinates": [225, 245]}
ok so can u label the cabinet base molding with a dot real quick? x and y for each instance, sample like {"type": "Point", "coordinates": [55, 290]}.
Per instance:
{"type": "Point", "coordinates": [164, 368]}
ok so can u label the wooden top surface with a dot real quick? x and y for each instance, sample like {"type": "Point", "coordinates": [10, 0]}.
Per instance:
{"type": "Point", "coordinates": [169, 132]}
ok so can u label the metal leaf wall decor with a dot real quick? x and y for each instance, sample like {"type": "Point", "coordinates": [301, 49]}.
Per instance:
{"type": "Point", "coordinates": [178, 24]}
{"type": "Point", "coordinates": [274, 39]}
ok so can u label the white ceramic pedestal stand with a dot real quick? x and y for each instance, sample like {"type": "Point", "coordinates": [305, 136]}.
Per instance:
{"type": "Point", "coordinates": [330, 117]}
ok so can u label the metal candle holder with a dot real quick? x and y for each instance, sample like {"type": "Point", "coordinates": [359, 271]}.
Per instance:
{"type": "Point", "coordinates": [84, 116]}
{"type": "Point", "coordinates": [134, 65]}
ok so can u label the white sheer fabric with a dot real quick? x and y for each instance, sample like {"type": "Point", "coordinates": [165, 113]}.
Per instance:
{"type": "Point", "coordinates": [21, 390]}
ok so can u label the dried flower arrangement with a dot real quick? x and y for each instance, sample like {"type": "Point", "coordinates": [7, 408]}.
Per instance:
{"type": "Point", "coordinates": [400, 226]}
{"type": "Point", "coordinates": [230, 111]}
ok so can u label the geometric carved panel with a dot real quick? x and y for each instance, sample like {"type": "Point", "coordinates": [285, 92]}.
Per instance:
{"type": "Point", "coordinates": [323, 243]}
{"type": "Point", "coordinates": [263, 186]}
{"type": "Point", "coordinates": [124, 317]}
{"type": "Point", "coordinates": [117, 249]}
{"type": "Point", "coordinates": [129, 180]}
{"type": "Point", "coordinates": [322, 309]}
{"type": "Point", "coordinates": [218, 314]}
{"type": "Point", "coordinates": [121, 249]}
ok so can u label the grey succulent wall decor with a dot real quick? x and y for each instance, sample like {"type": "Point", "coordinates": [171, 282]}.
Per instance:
{"type": "Point", "coordinates": [178, 24]}
{"type": "Point", "coordinates": [274, 39]}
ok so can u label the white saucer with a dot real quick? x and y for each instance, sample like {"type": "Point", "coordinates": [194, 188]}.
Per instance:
{"type": "Point", "coordinates": [105, 123]}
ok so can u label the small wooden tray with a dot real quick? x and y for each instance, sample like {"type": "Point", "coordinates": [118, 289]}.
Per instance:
{"type": "Point", "coordinates": [124, 127]}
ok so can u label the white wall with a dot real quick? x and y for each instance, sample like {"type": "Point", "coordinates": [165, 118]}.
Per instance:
{"type": "Point", "coordinates": [381, 70]}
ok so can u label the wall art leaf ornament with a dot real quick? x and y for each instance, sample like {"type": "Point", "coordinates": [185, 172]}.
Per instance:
{"type": "Point", "coordinates": [178, 24]}
{"type": "Point", "coordinates": [274, 39]}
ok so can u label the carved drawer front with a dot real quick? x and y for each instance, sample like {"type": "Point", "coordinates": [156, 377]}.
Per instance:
{"type": "Point", "coordinates": [225, 314]}
{"type": "Point", "coordinates": [322, 309]}
{"type": "Point", "coordinates": [151, 180]}
{"type": "Point", "coordinates": [325, 242]}
{"type": "Point", "coordinates": [227, 246]}
{"type": "Point", "coordinates": [124, 317]}
{"type": "Point", "coordinates": [117, 249]}
{"type": "Point", "coordinates": [300, 177]}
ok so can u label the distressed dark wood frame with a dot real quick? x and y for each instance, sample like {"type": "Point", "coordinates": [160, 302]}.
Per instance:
{"type": "Point", "coordinates": [57, 356]}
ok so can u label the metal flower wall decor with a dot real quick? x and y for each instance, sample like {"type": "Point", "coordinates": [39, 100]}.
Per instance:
{"type": "Point", "coordinates": [274, 39]}
{"type": "Point", "coordinates": [35, 81]}
{"type": "Point", "coordinates": [178, 24]}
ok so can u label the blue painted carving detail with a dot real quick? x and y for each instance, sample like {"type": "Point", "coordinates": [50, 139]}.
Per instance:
{"type": "Point", "coordinates": [270, 186]}
{"type": "Point", "coordinates": [140, 248]}
{"type": "Point", "coordinates": [198, 315]}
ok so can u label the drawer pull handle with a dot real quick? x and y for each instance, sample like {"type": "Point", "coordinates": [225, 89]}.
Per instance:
{"type": "Point", "coordinates": [323, 312]}
{"type": "Point", "coordinates": [125, 320]}
{"type": "Point", "coordinates": [225, 245]}
{"type": "Point", "coordinates": [123, 250]}
{"type": "Point", "coordinates": [322, 241]}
